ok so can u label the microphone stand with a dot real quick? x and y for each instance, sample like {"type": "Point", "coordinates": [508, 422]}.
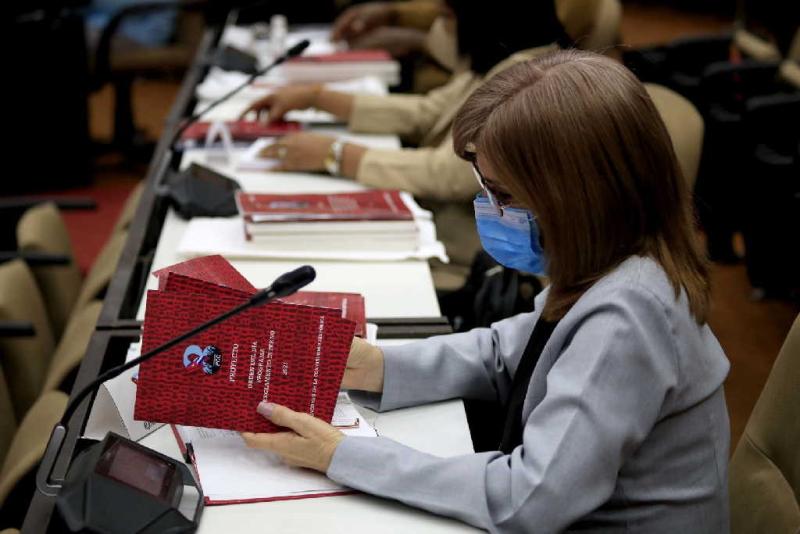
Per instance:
{"type": "Point", "coordinates": [285, 285]}
{"type": "Point", "coordinates": [294, 51]}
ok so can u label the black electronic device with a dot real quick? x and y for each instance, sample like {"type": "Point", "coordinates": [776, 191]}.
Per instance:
{"type": "Point", "coordinates": [202, 192]}
{"type": "Point", "coordinates": [199, 191]}
{"type": "Point", "coordinates": [118, 486]}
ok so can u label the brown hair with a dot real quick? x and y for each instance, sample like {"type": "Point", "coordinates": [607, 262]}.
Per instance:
{"type": "Point", "coordinates": [575, 138]}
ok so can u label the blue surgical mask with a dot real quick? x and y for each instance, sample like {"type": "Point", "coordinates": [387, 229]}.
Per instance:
{"type": "Point", "coordinates": [510, 236]}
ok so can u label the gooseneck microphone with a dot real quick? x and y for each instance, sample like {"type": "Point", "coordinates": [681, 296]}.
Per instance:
{"type": "Point", "coordinates": [294, 51]}
{"type": "Point", "coordinates": [283, 286]}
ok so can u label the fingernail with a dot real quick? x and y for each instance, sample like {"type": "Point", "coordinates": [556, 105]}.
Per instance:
{"type": "Point", "coordinates": [265, 409]}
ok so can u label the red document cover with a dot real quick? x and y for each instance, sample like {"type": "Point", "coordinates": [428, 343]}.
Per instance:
{"type": "Point", "coordinates": [214, 269]}
{"type": "Point", "coordinates": [243, 130]}
{"type": "Point", "coordinates": [351, 304]}
{"type": "Point", "coordinates": [289, 354]}
{"type": "Point", "coordinates": [374, 205]}
{"type": "Point", "coordinates": [347, 56]}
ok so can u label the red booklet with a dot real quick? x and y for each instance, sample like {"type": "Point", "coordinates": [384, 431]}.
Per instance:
{"type": "Point", "coordinates": [190, 276]}
{"type": "Point", "coordinates": [373, 205]}
{"type": "Point", "coordinates": [285, 353]}
{"type": "Point", "coordinates": [243, 130]}
{"type": "Point", "coordinates": [214, 269]}
{"type": "Point", "coordinates": [347, 56]}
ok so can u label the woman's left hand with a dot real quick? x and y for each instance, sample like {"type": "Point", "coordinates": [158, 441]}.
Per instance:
{"type": "Point", "coordinates": [311, 444]}
{"type": "Point", "coordinates": [300, 152]}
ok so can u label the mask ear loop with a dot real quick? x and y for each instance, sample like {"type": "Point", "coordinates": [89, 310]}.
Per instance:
{"type": "Point", "coordinates": [492, 201]}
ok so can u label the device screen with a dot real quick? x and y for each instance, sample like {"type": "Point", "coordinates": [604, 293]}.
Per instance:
{"type": "Point", "coordinates": [134, 466]}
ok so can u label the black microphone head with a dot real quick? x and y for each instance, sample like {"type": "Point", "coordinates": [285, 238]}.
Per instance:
{"type": "Point", "coordinates": [286, 284]}
{"type": "Point", "coordinates": [298, 49]}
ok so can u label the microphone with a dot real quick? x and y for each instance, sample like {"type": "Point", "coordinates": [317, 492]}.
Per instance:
{"type": "Point", "coordinates": [294, 51]}
{"type": "Point", "coordinates": [285, 285]}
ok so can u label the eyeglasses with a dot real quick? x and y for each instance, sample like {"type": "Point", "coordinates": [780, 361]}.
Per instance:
{"type": "Point", "coordinates": [498, 199]}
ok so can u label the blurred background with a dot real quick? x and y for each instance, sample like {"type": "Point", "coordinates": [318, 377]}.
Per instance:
{"type": "Point", "coordinates": [94, 81]}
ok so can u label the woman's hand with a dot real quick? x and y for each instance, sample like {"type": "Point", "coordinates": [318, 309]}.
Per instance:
{"type": "Point", "coordinates": [364, 369]}
{"type": "Point", "coordinates": [311, 443]}
{"type": "Point", "coordinates": [359, 19]}
{"type": "Point", "coordinates": [300, 152]}
{"type": "Point", "coordinates": [278, 103]}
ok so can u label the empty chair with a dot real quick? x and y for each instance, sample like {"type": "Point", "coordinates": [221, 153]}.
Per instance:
{"type": "Point", "coordinates": [129, 208]}
{"type": "Point", "coordinates": [8, 419]}
{"type": "Point", "coordinates": [764, 475]}
{"type": "Point", "coordinates": [41, 229]}
{"type": "Point", "coordinates": [96, 282]}
{"type": "Point", "coordinates": [685, 126]}
{"type": "Point", "coordinates": [25, 453]}
{"type": "Point", "coordinates": [25, 359]}
{"type": "Point", "coordinates": [592, 24]}
{"type": "Point", "coordinates": [70, 350]}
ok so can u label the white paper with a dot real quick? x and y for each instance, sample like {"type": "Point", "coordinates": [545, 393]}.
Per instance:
{"type": "Point", "coordinates": [225, 236]}
{"type": "Point", "coordinates": [112, 410]}
{"type": "Point", "coordinates": [251, 159]}
{"type": "Point", "coordinates": [229, 470]}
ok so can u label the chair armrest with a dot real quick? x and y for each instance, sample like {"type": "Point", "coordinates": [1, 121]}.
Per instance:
{"type": "Point", "coordinates": [16, 329]}
{"type": "Point", "coordinates": [103, 54]}
{"type": "Point", "coordinates": [35, 259]}
{"type": "Point", "coordinates": [21, 203]}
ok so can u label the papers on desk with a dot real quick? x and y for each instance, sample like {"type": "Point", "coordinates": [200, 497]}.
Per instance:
{"type": "Point", "coordinates": [112, 409]}
{"type": "Point", "coordinates": [231, 473]}
{"type": "Point", "coordinates": [225, 236]}
{"type": "Point", "coordinates": [219, 82]}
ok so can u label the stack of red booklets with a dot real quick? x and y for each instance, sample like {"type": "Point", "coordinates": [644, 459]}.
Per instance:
{"type": "Point", "coordinates": [359, 220]}
{"type": "Point", "coordinates": [282, 352]}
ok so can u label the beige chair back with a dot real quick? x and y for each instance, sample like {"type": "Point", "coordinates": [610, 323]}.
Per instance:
{"type": "Point", "coordinates": [8, 419]}
{"type": "Point", "coordinates": [72, 347]}
{"type": "Point", "coordinates": [685, 126]}
{"type": "Point", "coordinates": [755, 47]}
{"type": "Point", "coordinates": [102, 270]}
{"type": "Point", "coordinates": [41, 229]}
{"type": "Point", "coordinates": [30, 441]}
{"type": "Point", "coordinates": [764, 475]}
{"type": "Point", "coordinates": [25, 359]}
{"type": "Point", "coordinates": [592, 24]}
{"type": "Point", "coordinates": [129, 208]}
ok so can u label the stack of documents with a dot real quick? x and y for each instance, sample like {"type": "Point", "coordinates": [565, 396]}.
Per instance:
{"type": "Point", "coordinates": [360, 220]}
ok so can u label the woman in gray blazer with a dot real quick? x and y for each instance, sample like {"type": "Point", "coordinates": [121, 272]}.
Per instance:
{"type": "Point", "coordinates": [616, 418]}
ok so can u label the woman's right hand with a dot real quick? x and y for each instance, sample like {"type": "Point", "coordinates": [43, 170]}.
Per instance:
{"type": "Point", "coordinates": [357, 20]}
{"type": "Point", "coordinates": [278, 103]}
{"type": "Point", "coordinates": [364, 369]}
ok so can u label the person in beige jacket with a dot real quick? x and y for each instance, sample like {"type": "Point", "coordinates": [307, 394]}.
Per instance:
{"type": "Point", "coordinates": [488, 41]}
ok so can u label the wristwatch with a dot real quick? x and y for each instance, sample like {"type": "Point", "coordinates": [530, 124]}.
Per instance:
{"type": "Point", "coordinates": [333, 161]}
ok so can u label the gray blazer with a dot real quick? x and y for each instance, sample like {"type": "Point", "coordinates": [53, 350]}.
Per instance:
{"type": "Point", "coordinates": [626, 427]}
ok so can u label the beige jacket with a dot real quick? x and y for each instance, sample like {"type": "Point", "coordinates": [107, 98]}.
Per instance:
{"type": "Point", "coordinates": [432, 172]}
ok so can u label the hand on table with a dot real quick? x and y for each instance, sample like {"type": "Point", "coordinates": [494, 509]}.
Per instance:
{"type": "Point", "coordinates": [357, 20]}
{"type": "Point", "coordinates": [275, 105]}
{"type": "Point", "coordinates": [302, 151]}
{"type": "Point", "coordinates": [311, 442]}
